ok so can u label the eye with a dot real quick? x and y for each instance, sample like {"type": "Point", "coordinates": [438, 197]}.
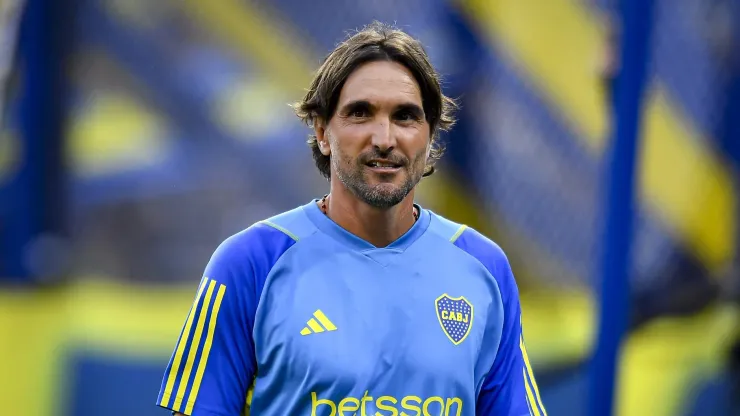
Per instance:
{"type": "Point", "coordinates": [358, 113]}
{"type": "Point", "coordinates": [406, 115]}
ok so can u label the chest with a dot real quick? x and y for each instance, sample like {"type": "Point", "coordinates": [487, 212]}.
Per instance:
{"type": "Point", "coordinates": [350, 320]}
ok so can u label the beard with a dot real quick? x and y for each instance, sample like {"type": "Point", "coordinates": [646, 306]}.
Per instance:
{"type": "Point", "coordinates": [353, 174]}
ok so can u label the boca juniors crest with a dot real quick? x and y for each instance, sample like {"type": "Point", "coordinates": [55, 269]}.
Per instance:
{"type": "Point", "coordinates": [456, 317]}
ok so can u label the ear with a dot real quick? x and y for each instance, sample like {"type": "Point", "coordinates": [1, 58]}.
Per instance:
{"type": "Point", "coordinates": [322, 137]}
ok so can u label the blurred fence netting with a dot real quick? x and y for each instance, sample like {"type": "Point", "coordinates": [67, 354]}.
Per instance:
{"type": "Point", "coordinates": [10, 16]}
{"type": "Point", "coordinates": [539, 117]}
{"type": "Point", "coordinates": [10, 13]}
{"type": "Point", "coordinates": [178, 137]}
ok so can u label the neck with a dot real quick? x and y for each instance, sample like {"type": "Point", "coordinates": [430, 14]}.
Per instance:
{"type": "Point", "coordinates": [378, 226]}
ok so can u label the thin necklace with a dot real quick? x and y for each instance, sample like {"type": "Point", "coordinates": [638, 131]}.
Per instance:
{"type": "Point", "coordinates": [326, 212]}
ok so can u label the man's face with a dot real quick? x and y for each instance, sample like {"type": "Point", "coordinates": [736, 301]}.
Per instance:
{"type": "Point", "coordinates": [378, 138]}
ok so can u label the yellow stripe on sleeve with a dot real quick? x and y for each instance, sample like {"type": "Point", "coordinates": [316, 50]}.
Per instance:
{"type": "Point", "coordinates": [206, 350]}
{"type": "Point", "coordinates": [526, 386]}
{"type": "Point", "coordinates": [458, 233]}
{"type": "Point", "coordinates": [531, 377]}
{"type": "Point", "coordinates": [530, 396]}
{"type": "Point", "coordinates": [193, 348]}
{"type": "Point", "coordinates": [177, 358]}
{"type": "Point", "coordinates": [250, 396]}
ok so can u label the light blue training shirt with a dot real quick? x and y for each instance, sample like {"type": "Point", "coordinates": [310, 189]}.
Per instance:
{"type": "Point", "coordinates": [297, 316]}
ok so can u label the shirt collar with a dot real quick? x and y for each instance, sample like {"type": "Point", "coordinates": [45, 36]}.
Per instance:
{"type": "Point", "coordinates": [328, 226]}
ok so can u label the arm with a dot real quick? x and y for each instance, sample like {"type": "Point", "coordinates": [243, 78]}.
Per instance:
{"type": "Point", "coordinates": [213, 362]}
{"type": "Point", "coordinates": [510, 388]}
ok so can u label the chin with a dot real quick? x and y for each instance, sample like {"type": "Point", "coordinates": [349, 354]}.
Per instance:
{"type": "Point", "coordinates": [377, 191]}
{"type": "Point", "coordinates": [384, 195]}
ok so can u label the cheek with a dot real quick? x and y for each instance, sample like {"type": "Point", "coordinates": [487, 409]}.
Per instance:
{"type": "Point", "coordinates": [350, 139]}
{"type": "Point", "coordinates": [358, 134]}
{"type": "Point", "coordinates": [415, 142]}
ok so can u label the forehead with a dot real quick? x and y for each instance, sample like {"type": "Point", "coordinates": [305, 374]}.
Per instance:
{"type": "Point", "coordinates": [381, 82]}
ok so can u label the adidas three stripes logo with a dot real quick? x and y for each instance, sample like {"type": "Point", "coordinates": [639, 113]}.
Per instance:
{"type": "Point", "coordinates": [319, 323]}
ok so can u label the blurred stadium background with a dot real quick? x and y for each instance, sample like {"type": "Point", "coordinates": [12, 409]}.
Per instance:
{"type": "Point", "coordinates": [138, 134]}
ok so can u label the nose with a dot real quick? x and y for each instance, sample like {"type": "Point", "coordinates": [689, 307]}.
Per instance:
{"type": "Point", "coordinates": [383, 138]}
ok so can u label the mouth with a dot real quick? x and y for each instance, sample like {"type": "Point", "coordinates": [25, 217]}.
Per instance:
{"type": "Point", "coordinates": [384, 166]}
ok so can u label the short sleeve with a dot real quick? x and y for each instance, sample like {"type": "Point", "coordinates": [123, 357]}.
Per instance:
{"type": "Point", "coordinates": [510, 387]}
{"type": "Point", "coordinates": [213, 364]}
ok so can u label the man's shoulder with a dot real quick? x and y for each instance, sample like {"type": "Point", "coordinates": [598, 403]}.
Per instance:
{"type": "Point", "coordinates": [470, 240]}
{"type": "Point", "coordinates": [478, 247]}
{"type": "Point", "coordinates": [266, 240]}
{"type": "Point", "coordinates": [295, 223]}
{"type": "Point", "coordinates": [465, 237]}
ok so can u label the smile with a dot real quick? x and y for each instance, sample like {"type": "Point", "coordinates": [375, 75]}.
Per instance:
{"type": "Point", "coordinates": [384, 165]}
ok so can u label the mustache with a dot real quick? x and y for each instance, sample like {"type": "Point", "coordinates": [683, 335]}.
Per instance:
{"type": "Point", "coordinates": [390, 156]}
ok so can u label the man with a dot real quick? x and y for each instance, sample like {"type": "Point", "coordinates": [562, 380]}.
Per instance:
{"type": "Point", "coordinates": [360, 303]}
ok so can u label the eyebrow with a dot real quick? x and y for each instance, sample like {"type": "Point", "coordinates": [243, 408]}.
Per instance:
{"type": "Point", "coordinates": [356, 104]}
{"type": "Point", "coordinates": [362, 104]}
{"type": "Point", "coordinates": [412, 108]}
